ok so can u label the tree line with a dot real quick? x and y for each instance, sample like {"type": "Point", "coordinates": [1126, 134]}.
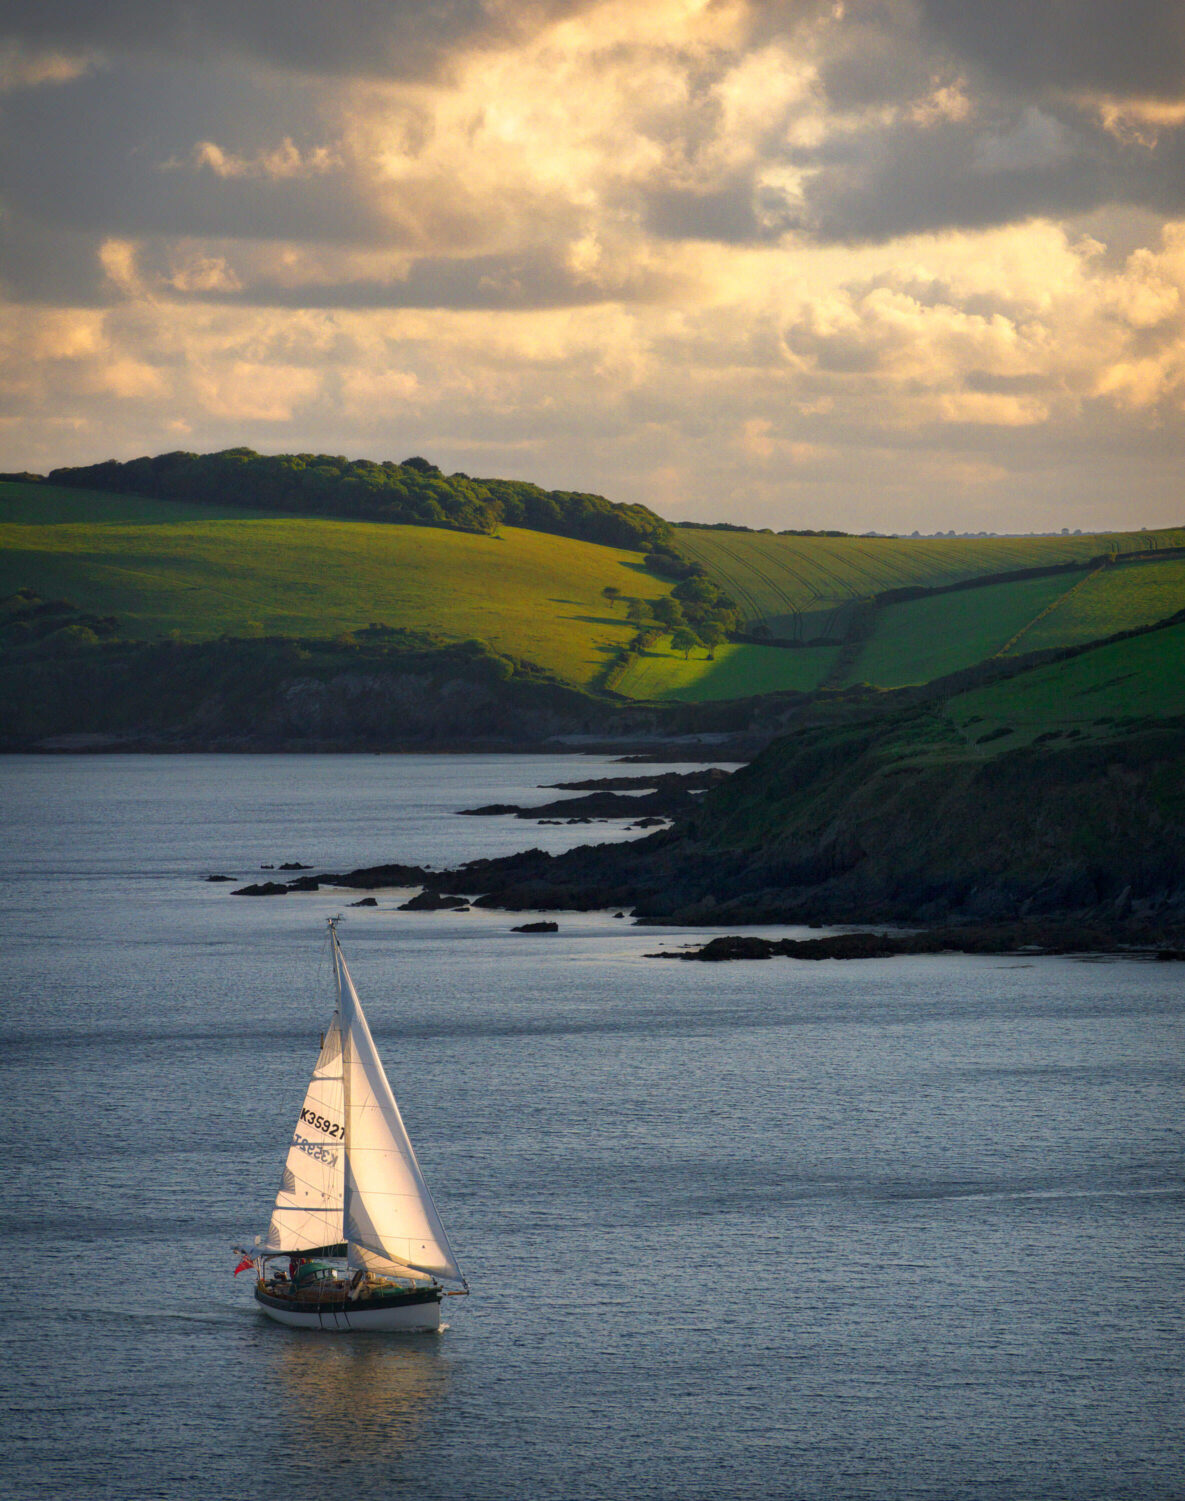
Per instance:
{"type": "Point", "coordinates": [415, 493]}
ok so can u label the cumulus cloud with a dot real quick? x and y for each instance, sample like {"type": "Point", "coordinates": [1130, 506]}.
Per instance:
{"type": "Point", "coordinates": [284, 160]}
{"type": "Point", "coordinates": [849, 263]}
{"type": "Point", "coordinates": [25, 67]}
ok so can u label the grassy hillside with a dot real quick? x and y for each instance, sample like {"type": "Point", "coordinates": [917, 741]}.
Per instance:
{"type": "Point", "coordinates": [920, 639]}
{"type": "Point", "coordinates": [1034, 809]}
{"type": "Point", "coordinates": [170, 569]}
{"type": "Point", "coordinates": [189, 572]}
{"type": "Point", "coordinates": [926, 638]}
{"type": "Point", "coordinates": [56, 505]}
{"type": "Point", "coordinates": [1056, 791]}
{"type": "Point", "coordinates": [1114, 599]}
{"type": "Point", "coordinates": [802, 586]}
{"type": "Point", "coordinates": [1098, 694]}
{"type": "Point", "coordinates": [167, 569]}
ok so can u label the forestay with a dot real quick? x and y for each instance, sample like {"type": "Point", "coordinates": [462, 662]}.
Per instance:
{"type": "Point", "coordinates": [388, 1211]}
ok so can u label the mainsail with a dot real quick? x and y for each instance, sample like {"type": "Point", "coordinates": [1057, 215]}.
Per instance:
{"type": "Point", "coordinates": [389, 1217]}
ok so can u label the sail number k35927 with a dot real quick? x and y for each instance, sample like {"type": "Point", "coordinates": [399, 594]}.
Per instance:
{"type": "Point", "coordinates": [311, 1118]}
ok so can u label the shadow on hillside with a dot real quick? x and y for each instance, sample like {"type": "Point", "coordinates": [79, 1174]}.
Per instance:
{"type": "Point", "coordinates": [830, 621]}
{"type": "Point", "coordinates": [53, 507]}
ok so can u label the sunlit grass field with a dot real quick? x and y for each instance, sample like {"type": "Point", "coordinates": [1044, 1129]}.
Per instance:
{"type": "Point", "coordinates": [799, 585]}
{"type": "Point", "coordinates": [173, 570]}
{"type": "Point", "coordinates": [738, 671]}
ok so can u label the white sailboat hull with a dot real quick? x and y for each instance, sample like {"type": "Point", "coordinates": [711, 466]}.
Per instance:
{"type": "Point", "coordinates": [345, 1318]}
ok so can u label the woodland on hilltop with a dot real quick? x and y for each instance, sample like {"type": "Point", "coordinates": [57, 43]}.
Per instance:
{"type": "Point", "coordinates": [414, 492]}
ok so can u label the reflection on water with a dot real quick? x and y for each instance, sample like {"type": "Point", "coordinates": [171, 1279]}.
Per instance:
{"type": "Point", "coordinates": [363, 1394]}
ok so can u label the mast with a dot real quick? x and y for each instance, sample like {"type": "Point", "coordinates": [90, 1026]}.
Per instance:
{"type": "Point", "coordinates": [336, 952]}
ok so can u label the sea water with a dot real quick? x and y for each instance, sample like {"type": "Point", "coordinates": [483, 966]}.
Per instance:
{"type": "Point", "coordinates": [876, 1229]}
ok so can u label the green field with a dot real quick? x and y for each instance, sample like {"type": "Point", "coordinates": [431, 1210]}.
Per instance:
{"type": "Point", "coordinates": [1141, 678]}
{"type": "Point", "coordinates": [1113, 599]}
{"type": "Point", "coordinates": [799, 586]}
{"type": "Point", "coordinates": [921, 639]}
{"type": "Point", "coordinates": [927, 638]}
{"type": "Point", "coordinates": [738, 671]}
{"type": "Point", "coordinates": [172, 570]}
{"type": "Point", "coordinates": [1101, 694]}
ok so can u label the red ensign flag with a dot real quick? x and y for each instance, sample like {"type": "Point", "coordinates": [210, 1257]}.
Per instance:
{"type": "Point", "coordinates": [243, 1265]}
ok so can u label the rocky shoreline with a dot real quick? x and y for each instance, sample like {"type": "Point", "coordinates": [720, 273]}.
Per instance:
{"type": "Point", "coordinates": [1050, 849]}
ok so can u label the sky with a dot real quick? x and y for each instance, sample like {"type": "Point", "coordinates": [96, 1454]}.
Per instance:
{"type": "Point", "coordinates": [867, 264]}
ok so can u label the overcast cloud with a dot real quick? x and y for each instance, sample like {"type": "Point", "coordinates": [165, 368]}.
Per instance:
{"type": "Point", "coordinates": [885, 263]}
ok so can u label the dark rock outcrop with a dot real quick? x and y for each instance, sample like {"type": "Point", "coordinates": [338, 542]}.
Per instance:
{"type": "Point", "coordinates": [666, 795]}
{"type": "Point", "coordinates": [433, 901]}
{"type": "Point", "coordinates": [1064, 937]}
{"type": "Point", "coordinates": [375, 877]}
{"type": "Point", "coordinates": [687, 781]}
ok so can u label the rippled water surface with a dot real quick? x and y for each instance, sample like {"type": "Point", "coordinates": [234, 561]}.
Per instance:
{"type": "Point", "coordinates": [887, 1229]}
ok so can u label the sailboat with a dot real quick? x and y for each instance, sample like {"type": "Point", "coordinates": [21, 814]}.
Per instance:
{"type": "Point", "coordinates": [355, 1240]}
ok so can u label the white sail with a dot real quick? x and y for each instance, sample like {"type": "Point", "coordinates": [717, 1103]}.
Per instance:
{"type": "Point", "coordinates": [308, 1210]}
{"type": "Point", "coordinates": [389, 1215]}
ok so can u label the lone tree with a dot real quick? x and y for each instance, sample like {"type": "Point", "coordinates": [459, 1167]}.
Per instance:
{"type": "Point", "coordinates": [684, 639]}
{"type": "Point", "coordinates": [712, 634]}
{"type": "Point", "coordinates": [611, 593]}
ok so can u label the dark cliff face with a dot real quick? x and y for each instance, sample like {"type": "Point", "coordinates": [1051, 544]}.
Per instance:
{"type": "Point", "coordinates": [260, 695]}
{"type": "Point", "coordinates": [846, 825]}
{"type": "Point", "coordinates": [408, 692]}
